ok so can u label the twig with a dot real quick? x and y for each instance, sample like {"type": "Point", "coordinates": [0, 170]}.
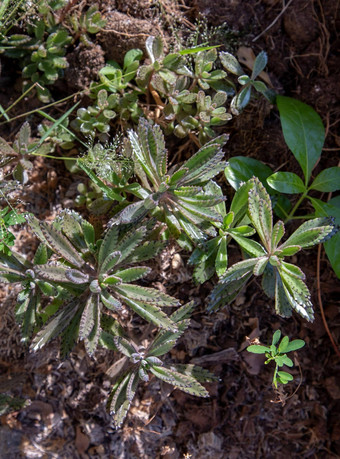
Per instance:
{"type": "Point", "coordinates": [274, 22]}
{"type": "Point", "coordinates": [320, 303]}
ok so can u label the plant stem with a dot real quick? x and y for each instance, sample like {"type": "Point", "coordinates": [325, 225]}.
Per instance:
{"type": "Point", "coordinates": [297, 205]}
{"type": "Point", "coordinates": [42, 108]}
{"type": "Point", "coordinates": [19, 99]}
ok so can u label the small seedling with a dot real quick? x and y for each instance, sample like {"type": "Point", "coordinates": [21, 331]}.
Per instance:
{"type": "Point", "coordinates": [279, 355]}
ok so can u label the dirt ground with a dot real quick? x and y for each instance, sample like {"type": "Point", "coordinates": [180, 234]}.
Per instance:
{"type": "Point", "coordinates": [244, 417]}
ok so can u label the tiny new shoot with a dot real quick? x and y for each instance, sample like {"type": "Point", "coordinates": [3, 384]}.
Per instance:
{"type": "Point", "coordinates": [278, 353]}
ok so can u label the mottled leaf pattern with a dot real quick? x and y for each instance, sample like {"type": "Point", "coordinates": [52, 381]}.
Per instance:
{"type": "Point", "coordinates": [184, 382]}
{"type": "Point", "coordinates": [61, 245]}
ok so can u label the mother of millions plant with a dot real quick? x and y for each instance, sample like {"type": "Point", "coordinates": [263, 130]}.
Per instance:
{"type": "Point", "coordinates": [90, 281]}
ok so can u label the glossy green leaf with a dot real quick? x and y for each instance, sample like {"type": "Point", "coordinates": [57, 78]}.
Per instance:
{"type": "Point", "coordinates": [240, 169]}
{"type": "Point", "coordinates": [328, 180]}
{"type": "Point", "coordinates": [286, 182]}
{"type": "Point", "coordinates": [332, 247]}
{"type": "Point", "coordinates": [303, 131]}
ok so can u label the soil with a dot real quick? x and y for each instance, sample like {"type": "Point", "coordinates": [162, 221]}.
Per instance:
{"type": "Point", "coordinates": [244, 417]}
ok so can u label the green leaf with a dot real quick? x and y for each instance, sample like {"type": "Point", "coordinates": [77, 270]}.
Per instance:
{"type": "Point", "coordinates": [186, 383]}
{"type": "Point", "coordinates": [276, 337]}
{"type": "Point", "coordinates": [332, 247]}
{"type": "Point", "coordinates": [124, 346]}
{"type": "Point", "coordinates": [132, 274]}
{"type": "Point", "coordinates": [287, 361]}
{"type": "Point", "coordinates": [221, 262]}
{"type": "Point", "coordinates": [252, 247]}
{"type": "Point", "coordinates": [283, 345]}
{"type": "Point", "coordinates": [109, 301]}
{"type": "Point", "coordinates": [230, 63]}
{"type": "Point", "coordinates": [259, 64]}
{"type": "Point", "coordinates": [128, 245]}
{"type": "Point", "coordinates": [151, 313]}
{"type": "Point", "coordinates": [285, 377]}
{"type": "Point", "coordinates": [303, 131]}
{"type": "Point", "coordinates": [257, 349]}
{"type": "Point", "coordinates": [231, 283]}
{"type": "Point", "coordinates": [239, 204]}
{"type": "Point", "coordinates": [110, 262]}
{"type": "Point", "coordinates": [206, 159]}
{"type": "Point", "coordinates": [328, 180]}
{"type": "Point", "coordinates": [146, 294]}
{"type": "Point", "coordinates": [54, 327]}
{"type": "Point", "coordinates": [196, 49]}
{"type": "Point", "coordinates": [292, 270]}
{"type": "Point", "coordinates": [154, 48]}
{"type": "Point", "coordinates": [312, 232]}
{"type": "Point", "coordinates": [240, 169]}
{"type": "Point", "coordinates": [26, 314]}
{"type": "Point", "coordinates": [120, 405]}
{"type": "Point", "coordinates": [286, 182]}
{"type": "Point", "coordinates": [133, 213]}
{"type": "Point", "coordinates": [240, 100]}
{"type": "Point", "coordinates": [77, 277]}
{"type": "Point", "coordinates": [199, 373]}
{"type": "Point", "coordinates": [298, 295]}
{"type": "Point", "coordinates": [277, 234]}
{"type": "Point", "coordinates": [41, 255]}
{"type": "Point", "coordinates": [260, 212]}
{"type": "Point", "coordinates": [109, 244]}
{"type": "Point", "coordinates": [295, 345]}
{"type": "Point", "coordinates": [131, 56]}
{"type": "Point", "coordinates": [52, 273]}
{"type": "Point", "coordinates": [89, 328]}
{"type": "Point", "coordinates": [61, 245]}
{"type": "Point", "coordinates": [199, 211]}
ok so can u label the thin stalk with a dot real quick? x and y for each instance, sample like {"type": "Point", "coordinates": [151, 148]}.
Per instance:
{"type": "Point", "coordinates": [65, 158]}
{"type": "Point", "coordinates": [42, 108]}
{"type": "Point", "coordinates": [19, 99]}
{"type": "Point", "coordinates": [297, 205]}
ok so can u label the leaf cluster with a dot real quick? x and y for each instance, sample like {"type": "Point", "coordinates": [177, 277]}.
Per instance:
{"type": "Point", "coordinates": [188, 87]}
{"type": "Point", "coordinates": [18, 155]}
{"type": "Point", "coordinates": [280, 280]}
{"type": "Point", "coordinates": [304, 134]}
{"type": "Point", "coordinates": [278, 353]}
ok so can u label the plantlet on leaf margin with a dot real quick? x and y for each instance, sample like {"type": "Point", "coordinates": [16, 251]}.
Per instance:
{"type": "Point", "coordinates": [279, 355]}
{"type": "Point", "coordinates": [281, 280]}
